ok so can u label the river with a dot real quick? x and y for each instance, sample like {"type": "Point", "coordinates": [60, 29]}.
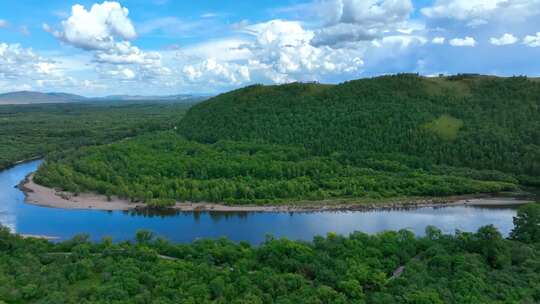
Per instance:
{"type": "Point", "coordinates": [253, 227]}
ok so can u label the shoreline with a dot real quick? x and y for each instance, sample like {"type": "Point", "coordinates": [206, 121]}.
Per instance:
{"type": "Point", "coordinates": [20, 162]}
{"type": "Point", "coordinates": [46, 197]}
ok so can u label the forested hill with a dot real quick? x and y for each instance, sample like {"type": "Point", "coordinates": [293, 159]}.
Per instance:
{"type": "Point", "coordinates": [387, 137]}
{"type": "Point", "coordinates": [466, 120]}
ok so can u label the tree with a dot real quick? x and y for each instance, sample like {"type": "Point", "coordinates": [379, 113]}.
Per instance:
{"type": "Point", "coordinates": [144, 236]}
{"type": "Point", "coordinates": [527, 224]}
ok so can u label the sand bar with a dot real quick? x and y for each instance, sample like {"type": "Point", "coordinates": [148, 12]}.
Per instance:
{"type": "Point", "coordinates": [47, 197]}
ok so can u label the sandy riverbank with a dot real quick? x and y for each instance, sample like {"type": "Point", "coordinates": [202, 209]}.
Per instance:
{"type": "Point", "coordinates": [47, 197]}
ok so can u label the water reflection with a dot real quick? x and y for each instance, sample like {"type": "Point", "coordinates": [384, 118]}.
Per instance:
{"type": "Point", "coordinates": [214, 215]}
{"type": "Point", "coordinates": [249, 226]}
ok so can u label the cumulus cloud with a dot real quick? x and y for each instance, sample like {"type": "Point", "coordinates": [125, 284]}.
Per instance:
{"type": "Point", "coordinates": [532, 41]}
{"type": "Point", "coordinates": [505, 39]}
{"type": "Point", "coordinates": [22, 68]}
{"type": "Point", "coordinates": [16, 61]}
{"type": "Point", "coordinates": [370, 13]}
{"type": "Point", "coordinates": [122, 73]}
{"type": "Point", "coordinates": [358, 20]}
{"type": "Point", "coordinates": [285, 48]}
{"type": "Point", "coordinates": [97, 28]}
{"type": "Point", "coordinates": [106, 31]}
{"type": "Point", "coordinates": [276, 51]}
{"type": "Point", "coordinates": [463, 42]}
{"type": "Point", "coordinates": [438, 40]}
{"type": "Point", "coordinates": [128, 62]}
{"type": "Point", "coordinates": [217, 73]}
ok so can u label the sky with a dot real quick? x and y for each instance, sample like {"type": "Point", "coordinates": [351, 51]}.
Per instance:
{"type": "Point", "coordinates": [162, 47]}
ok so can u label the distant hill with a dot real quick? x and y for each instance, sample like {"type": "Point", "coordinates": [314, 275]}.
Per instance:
{"type": "Point", "coordinates": [474, 121]}
{"type": "Point", "coordinates": [165, 98]}
{"type": "Point", "coordinates": [30, 97]}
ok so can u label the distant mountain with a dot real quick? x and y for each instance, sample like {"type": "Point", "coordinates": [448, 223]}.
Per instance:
{"type": "Point", "coordinates": [166, 98]}
{"type": "Point", "coordinates": [30, 97]}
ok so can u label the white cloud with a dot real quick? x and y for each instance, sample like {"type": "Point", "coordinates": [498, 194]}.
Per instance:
{"type": "Point", "coordinates": [463, 42]}
{"type": "Point", "coordinates": [505, 39]}
{"type": "Point", "coordinates": [438, 40]}
{"type": "Point", "coordinates": [277, 51]}
{"type": "Point", "coordinates": [97, 28]}
{"type": "Point", "coordinates": [348, 21]}
{"type": "Point", "coordinates": [479, 12]}
{"type": "Point", "coordinates": [123, 73]}
{"type": "Point", "coordinates": [125, 53]}
{"type": "Point", "coordinates": [105, 30]}
{"type": "Point", "coordinates": [128, 62]}
{"type": "Point", "coordinates": [22, 68]}
{"type": "Point", "coordinates": [403, 41]}
{"type": "Point", "coordinates": [217, 73]}
{"type": "Point", "coordinates": [532, 41]}
{"type": "Point", "coordinates": [16, 61]}
{"type": "Point", "coordinates": [227, 49]}
{"type": "Point", "coordinates": [461, 9]}
{"type": "Point", "coordinates": [285, 48]}
{"type": "Point", "coordinates": [3, 23]}
{"type": "Point", "coordinates": [369, 13]}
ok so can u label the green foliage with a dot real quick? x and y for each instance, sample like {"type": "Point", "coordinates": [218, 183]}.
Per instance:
{"type": "Point", "coordinates": [527, 224]}
{"type": "Point", "coordinates": [485, 123]}
{"type": "Point", "coordinates": [163, 168]}
{"type": "Point", "coordinates": [159, 203]}
{"type": "Point", "coordinates": [30, 131]}
{"type": "Point", "coordinates": [333, 269]}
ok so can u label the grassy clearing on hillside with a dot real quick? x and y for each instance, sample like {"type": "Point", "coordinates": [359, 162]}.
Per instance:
{"type": "Point", "coordinates": [445, 127]}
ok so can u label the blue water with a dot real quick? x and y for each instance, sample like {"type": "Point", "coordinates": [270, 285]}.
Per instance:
{"type": "Point", "coordinates": [253, 227]}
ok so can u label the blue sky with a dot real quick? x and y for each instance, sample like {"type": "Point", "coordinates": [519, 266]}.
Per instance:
{"type": "Point", "coordinates": [168, 46]}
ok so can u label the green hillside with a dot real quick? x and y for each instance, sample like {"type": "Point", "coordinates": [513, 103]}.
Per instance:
{"type": "Point", "coordinates": [465, 121]}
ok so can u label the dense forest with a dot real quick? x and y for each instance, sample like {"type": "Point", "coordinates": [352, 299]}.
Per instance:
{"type": "Point", "coordinates": [386, 137]}
{"type": "Point", "coordinates": [389, 267]}
{"type": "Point", "coordinates": [29, 131]}
{"type": "Point", "coordinates": [469, 121]}
{"type": "Point", "coordinates": [163, 168]}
